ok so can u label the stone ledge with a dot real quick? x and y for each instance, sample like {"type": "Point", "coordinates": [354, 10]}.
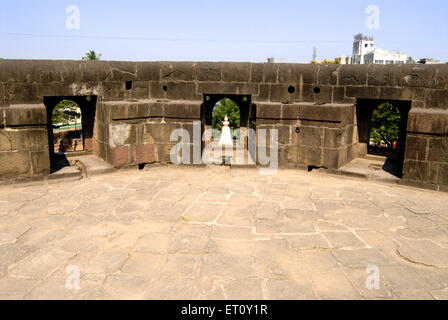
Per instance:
{"type": "Point", "coordinates": [25, 115]}
{"type": "Point", "coordinates": [431, 121]}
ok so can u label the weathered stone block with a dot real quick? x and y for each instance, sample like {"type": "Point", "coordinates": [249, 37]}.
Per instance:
{"type": "Point", "coordinates": [256, 72]}
{"type": "Point", "coordinates": [271, 72]}
{"type": "Point", "coordinates": [334, 158]}
{"type": "Point", "coordinates": [235, 71]}
{"type": "Point", "coordinates": [5, 140]}
{"type": "Point", "coordinates": [352, 153]}
{"type": "Point", "coordinates": [284, 134]}
{"type": "Point", "coordinates": [178, 71]}
{"type": "Point", "coordinates": [363, 92]}
{"type": "Point", "coordinates": [353, 75]}
{"type": "Point", "coordinates": [156, 90]}
{"type": "Point", "coordinates": [269, 110]}
{"type": "Point", "coordinates": [183, 110]}
{"type": "Point", "coordinates": [350, 135]}
{"type": "Point", "coordinates": [209, 71]}
{"type": "Point", "coordinates": [42, 71]}
{"type": "Point", "coordinates": [123, 71]}
{"type": "Point", "coordinates": [40, 162]}
{"type": "Point", "coordinates": [434, 169]}
{"type": "Point", "coordinates": [182, 91]}
{"type": "Point", "coordinates": [323, 94]}
{"type": "Point", "coordinates": [334, 138]}
{"type": "Point", "coordinates": [35, 139]}
{"type": "Point", "coordinates": [101, 131]}
{"type": "Point", "coordinates": [163, 152]}
{"type": "Point", "coordinates": [339, 113]}
{"type": "Point", "coordinates": [401, 93]}
{"type": "Point", "coordinates": [309, 156]}
{"type": "Point", "coordinates": [103, 151]}
{"type": "Point", "coordinates": [416, 170]}
{"type": "Point", "coordinates": [23, 115]}
{"type": "Point", "coordinates": [88, 71]}
{"type": "Point", "coordinates": [339, 95]}
{"type": "Point", "coordinates": [280, 93]}
{"type": "Point", "coordinates": [442, 77]}
{"type": "Point", "coordinates": [14, 163]}
{"type": "Point", "coordinates": [160, 132]}
{"type": "Point", "coordinates": [291, 111]}
{"type": "Point", "coordinates": [2, 97]}
{"type": "Point", "coordinates": [382, 75]}
{"type": "Point", "coordinates": [149, 71]}
{"type": "Point", "coordinates": [156, 109]}
{"type": "Point", "coordinates": [412, 75]}
{"type": "Point", "coordinates": [263, 94]}
{"type": "Point", "coordinates": [328, 74]}
{"type": "Point", "coordinates": [437, 99]}
{"type": "Point", "coordinates": [288, 156]}
{"type": "Point", "coordinates": [128, 110]}
{"type": "Point", "coordinates": [145, 154]}
{"type": "Point", "coordinates": [140, 90]}
{"type": "Point", "coordinates": [227, 88]}
{"type": "Point", "coordinates": [443, 174]}
{"type": "Point", "coordinates": [113, 91]}
{"type": "Point", "coordinates": [428, 121]}
{"type": "Point", "coordinates": [298, 73]}
{"type": "Point", "coordinates": [416, 147]}
{"type": "Point", "coordinates": [438, 149]}
{"type": "Point", "coordinates": [102, 112]}
{"type": "Point", "coordinates": [136, 134]}
{"type": "Point", "coordinates": [119, 156]}
{"type": "Point", "coordinates": [308, 136]}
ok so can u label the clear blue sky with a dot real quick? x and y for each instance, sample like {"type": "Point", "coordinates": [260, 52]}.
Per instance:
{"type": "Point", "coordinates": [241, 30]}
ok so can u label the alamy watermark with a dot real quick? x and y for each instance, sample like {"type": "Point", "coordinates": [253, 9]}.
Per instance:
{"type": "Point", "coordinates": [74, 278]}
{"type": "Point", "coordinates": [259, 148]}
{"type": "Point", "coordinates": [73, 21]}
{"type": "Point", "coordinates": [373, 280]}
{"type": "Point", "coordinates": [373, 20]}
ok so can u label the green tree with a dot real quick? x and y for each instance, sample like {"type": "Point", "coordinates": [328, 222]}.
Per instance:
{"type": "Point", "coordinates": [410, 60]}
{"type": "Point", "coordinates": [386, 121]}
{"type": "Point", "coordinates": [229, 108]}
{"type": "Point", "coordinates": [92, 55]}
{"type": "Point", "coordinates": [60, 115]}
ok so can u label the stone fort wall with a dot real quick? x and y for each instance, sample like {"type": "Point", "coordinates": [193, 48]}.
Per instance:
{"type": "Point", "coordinates": [320, 110]}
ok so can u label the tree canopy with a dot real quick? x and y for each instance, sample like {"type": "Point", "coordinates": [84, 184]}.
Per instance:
{"type": "Point", "coordinates": [92, 55]}
{"type": "Point", "coordinates": [62, 115]}
{"type": "Point", "coordinates": [229, 108]}
{"type": "Point", "coordinates": [386, 121]}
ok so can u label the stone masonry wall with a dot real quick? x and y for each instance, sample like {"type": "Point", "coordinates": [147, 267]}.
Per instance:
{"type": "Point", "coordinates": [24, 148]}
{"type": "Point", "coordinates": [130, 126]}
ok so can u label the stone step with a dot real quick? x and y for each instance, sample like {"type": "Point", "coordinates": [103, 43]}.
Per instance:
{"type": "Point", "coordinates": [92, 165]}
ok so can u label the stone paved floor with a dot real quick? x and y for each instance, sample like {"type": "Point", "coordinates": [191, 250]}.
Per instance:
{"type": "Point", "coordinates": [212, 233]}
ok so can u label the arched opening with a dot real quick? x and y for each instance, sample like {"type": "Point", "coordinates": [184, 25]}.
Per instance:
{"type": "Point", "coordinates": [382, 132]}
{"type": "Point", "coordinates": [66, 122]}
{"type": "Point", "coordinates": [70, 124]}
{"type": "Point", "coordinates": [385, 132]}
{"type": "Point", "coordinates": [241, 117]}
{"type": "Point", "coordinates": [230, 109]}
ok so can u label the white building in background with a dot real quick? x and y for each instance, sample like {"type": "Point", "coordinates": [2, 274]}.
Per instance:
{"type": "Point", "coordinates": [429, 61]}
{"type": "Point", "coordinates": [365, 52]}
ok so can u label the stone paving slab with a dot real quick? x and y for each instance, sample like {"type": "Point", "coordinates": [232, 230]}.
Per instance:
{"type": "Point", "coordinates": [218, 233]}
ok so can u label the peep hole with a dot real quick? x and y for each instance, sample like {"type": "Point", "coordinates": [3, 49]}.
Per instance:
{"type": "Point", "coordinates": [165, 88]}
{"type": "Point", "coordinates": [316, 90]}
{"type": "Point", "coordinates": [291, 89]}
{"type": "Point", "coordinates": [128, 85]}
